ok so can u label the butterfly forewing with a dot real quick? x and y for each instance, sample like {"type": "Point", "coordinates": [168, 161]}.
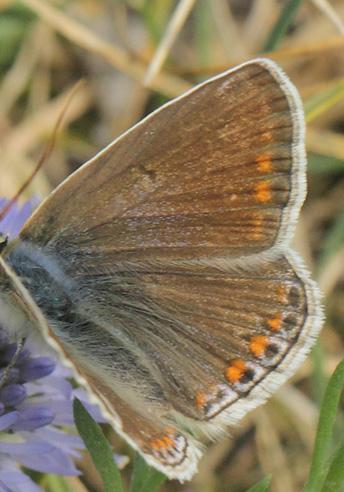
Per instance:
{"type": "Point", "coordinates": [210, 174]}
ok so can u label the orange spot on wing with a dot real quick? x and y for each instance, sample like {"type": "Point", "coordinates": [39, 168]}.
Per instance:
{"type": "Point", "coordinates": [275, 323]}
{"type": "Point", "coordinates": [201, 400]}
{"type": "Point", "coordinates": [164, 442]}
{"type": "Point", "coordinates": [263, 191]}
{"type": "Point", "coordinates": [264, 163]}
{"type": "Point", "coordinates": [236, 370]}
{"type": "Point", "coordinates": [258, 345]}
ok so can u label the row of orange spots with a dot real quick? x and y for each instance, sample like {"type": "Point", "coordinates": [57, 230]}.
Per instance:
{"type": "Point", "coordinates": [264, 161]}
{"type": "Point", "coordinates": [238, 368]}
{"type": "Point", "coordinates": [258, 345]}
{"type": "Point", "coordinates": [163, 443]}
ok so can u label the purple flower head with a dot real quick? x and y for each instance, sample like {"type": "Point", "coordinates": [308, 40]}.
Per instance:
{"type": "Point", "coordinates": [32, 410]}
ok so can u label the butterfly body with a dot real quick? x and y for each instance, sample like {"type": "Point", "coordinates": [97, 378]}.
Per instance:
{"type": "Point", "coordinates": [161, 271]}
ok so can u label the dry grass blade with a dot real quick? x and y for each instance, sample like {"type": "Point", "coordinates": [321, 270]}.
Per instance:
{"type": "Point", "coordinates": [330, 13]}
{"type": "Point", "coordinates": [83, 37]}
{"type": "Point", "coordinates": [46, 153]}
{"type": "Point", "coordinates": [229, 33]}
{"type": "Point", "coordinates": [16, 79]}
{"type": "Point", "coordinates": [175, 25]}
{"type": "Point", "coordinates": [41, 123]}
{"type": "Point", "coordinates": [272, 455]}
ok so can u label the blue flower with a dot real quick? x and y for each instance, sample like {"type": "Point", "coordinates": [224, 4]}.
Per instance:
{"type": "Point", "coordinates": [35, 402]}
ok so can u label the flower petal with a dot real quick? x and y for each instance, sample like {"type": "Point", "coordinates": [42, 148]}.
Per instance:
{"type": "Point", "coordinates": [8, 420]}
{"type": "Point", "coordinates": [12, 394]}
{"type": "Point", "coordinates": [29, 449]}
{"type": "Point", "coordinates": [33, 418]}
{"type": "Point", "coordinates": [36, 368]}
{"type": "Point", "coordinates": [54, 462]}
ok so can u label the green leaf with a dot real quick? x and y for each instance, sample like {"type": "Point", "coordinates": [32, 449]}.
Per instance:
{"type": "Point", "coordinates": [55, 483]}
{"type": "Point", "coordinates": [145, 478]}
{"type": "Point", "coordinates": [154, 481]}
{"type": "Point", "coordinates": [319, 378]}
{"type": "Point", "coordinates": [14, 25]}
{"type": "Point", "coordinates": [281, 26]}
{"type": "Point", "coordinates": [261, 486]}
{"type": "Point", "coordinates": [204, 32]}
{"type": "Point", "coordinates": [98, 447]}
{"type": "Point", "coordinates": [335, 475]}
{"type": "Point", "coordinates": [322, 101]}
{"type": "Point", "coordinates": [155, 15]}
{"type": "Point", "coordinates": [324, 164]}
{"type": "Point", "coordinates": [320, 466]}
{"type": "Point", "coordinates": [140, 473]}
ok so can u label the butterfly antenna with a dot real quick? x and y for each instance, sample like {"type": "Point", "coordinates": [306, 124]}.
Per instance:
{"type": "Point", "coordinates": [5, 374]}
{"type": "Point", "coordinates": [47, 150]}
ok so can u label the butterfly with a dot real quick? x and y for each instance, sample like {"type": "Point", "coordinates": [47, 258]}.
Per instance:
{"type": "Point", "coordinates": [161, 271]}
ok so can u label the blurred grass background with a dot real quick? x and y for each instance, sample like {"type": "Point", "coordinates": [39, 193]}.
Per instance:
{"type": "Point", "coordinates": [135, 55]}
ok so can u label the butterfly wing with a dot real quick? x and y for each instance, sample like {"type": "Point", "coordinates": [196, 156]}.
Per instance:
{"type": "Point", "coordinates": [163, 268]}
{"type": "Point", "coordinates": [217, 345]}
{"type": "Point", "coordinates": [219, 171]}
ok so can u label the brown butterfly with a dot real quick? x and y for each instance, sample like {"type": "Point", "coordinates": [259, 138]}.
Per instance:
{"type": "Point", "coordinates": [161, 271]}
